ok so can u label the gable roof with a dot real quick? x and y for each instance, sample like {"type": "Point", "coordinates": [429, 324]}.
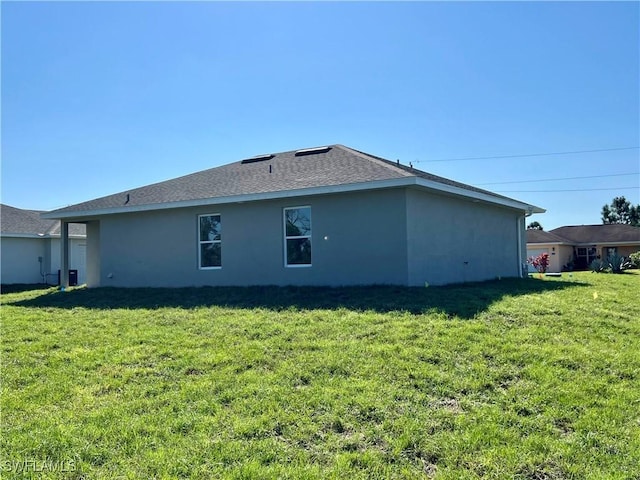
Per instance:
{"type": "Point", "coordinates": [592, 234]}
{"type": "Point", "coordinates": [540, 236]}
{"type": "Point", "coordinates": [28, 223]}
{"type": "Point", "coordinates": [330, 169]}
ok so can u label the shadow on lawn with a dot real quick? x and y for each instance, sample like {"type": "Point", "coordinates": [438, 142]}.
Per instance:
{"type": "Point", "coordinates": [463, 300]}
{"type": "Point", "coordinates": [22, 287]}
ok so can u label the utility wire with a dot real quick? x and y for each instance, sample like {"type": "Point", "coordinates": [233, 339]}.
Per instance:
{"type": "Point", "coordinates": [571, 190]}
{"type": "Point", "coordinates": [525, 155]}
{"type": "Point", "coordinates": [558, 179]}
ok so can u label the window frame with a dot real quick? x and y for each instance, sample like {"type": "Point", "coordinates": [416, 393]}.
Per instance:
{"type": "Point", "coordinates": [203, 242]}
{"type": "Point", "coordinates": [586, 254]}
{"type": "Point", "coordinates": [294, 237]}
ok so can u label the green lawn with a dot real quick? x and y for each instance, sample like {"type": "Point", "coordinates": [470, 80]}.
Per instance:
{"type": "Point", "coordinates": [526, 379]}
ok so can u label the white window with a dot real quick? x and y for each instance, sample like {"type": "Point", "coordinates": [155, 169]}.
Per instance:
{"type": "Point", "coordinates": [297, 236]}
{"type": "Point", "coordinates": [209, 241]}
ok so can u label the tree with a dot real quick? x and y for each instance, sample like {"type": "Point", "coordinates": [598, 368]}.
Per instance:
{"type": "Point", "coordinates": [621, 211]}
{"type": "Point", "coordinates": [534, 226]}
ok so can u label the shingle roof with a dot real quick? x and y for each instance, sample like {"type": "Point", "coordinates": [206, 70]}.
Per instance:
{"type": "Point", "coordinates": [429, 176]}
{"type": "Point", "coordinates": [28, 222]}
{"type": "Point", "coordinates": [336, 166]}
{"type": "Point", "coordinates": [610, 233]}
{"type": "Point", "coordinates": [540, 236]}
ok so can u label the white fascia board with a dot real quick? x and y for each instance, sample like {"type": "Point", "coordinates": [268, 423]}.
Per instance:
{"type": "Point", "coordinates": [23, 235]}
{"type": "Point", "coordinates": [57, 235]}
{"type": "Point", "coordinates": [485, 197]}
{"type": "Point", "coordinates": [532, 244]}
{"type": "Point", "coordinates": [301, 192]}
{"type": "Point", "coordinates": [252, 197]}
{"type": "Point", "coordinates": [35, 235]}
{"type": "Point", "coordinates": [624, 243]}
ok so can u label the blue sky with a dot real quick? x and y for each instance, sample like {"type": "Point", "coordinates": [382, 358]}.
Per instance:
{"type": "Point", "coordinates": [98, 98]}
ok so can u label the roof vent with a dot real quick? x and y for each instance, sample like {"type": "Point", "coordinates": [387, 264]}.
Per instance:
{"type": "Point", "coordinates": [311, 151]}
{"type": "Point", "coordinates": [259, 158]}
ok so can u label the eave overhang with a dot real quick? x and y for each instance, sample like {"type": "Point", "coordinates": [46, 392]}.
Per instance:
{"type": "Point", "coordinates": [37, 235]}
{"type": "Point", "coordinates": [410, 181]}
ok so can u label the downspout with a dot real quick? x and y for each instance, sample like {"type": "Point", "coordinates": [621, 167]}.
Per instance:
{"type": "Point", "coordinates": [520, 265]}
{"type": "Point", "coordinates": [46, 273]}
{"type": "Point", "coordinates": [42, 274]}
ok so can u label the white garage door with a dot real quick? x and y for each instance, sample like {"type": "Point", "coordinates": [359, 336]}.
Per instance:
{"type": "Point", "coordinates": [534, 252]}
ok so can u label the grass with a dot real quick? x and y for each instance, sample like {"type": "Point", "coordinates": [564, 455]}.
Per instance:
{"type": "Point", "coordinates": [525, 379]}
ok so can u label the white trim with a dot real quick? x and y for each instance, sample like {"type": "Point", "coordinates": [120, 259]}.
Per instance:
{"type": "Point", "coordinates": [589, 244]}
{"type": "Point", "coordinates": [251, 197]}
{"type": "Point", "coordinates": [35, 235]}
{"type": "Point", "coordinates": [286, 237]}
{"type": "Point", "coordinates": [485, 197]}
{"type": "Point", "coordinates": [24, 235]}
{"type": "Point", "coordinates": [550, 243]}
{"type": "Point", "coordinates": [200, 242]}
{"type": "Point", "coordinates": [631, 243]}
{"type": "Point", "coordinates": [300, 192]}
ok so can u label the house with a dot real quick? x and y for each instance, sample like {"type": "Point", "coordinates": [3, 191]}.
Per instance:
{"type": "Point", "coordinates": [559, 249]}
{"type": "Point", "coordinates": [30, 247]}
{"type": "Point", "coordinates": [576, 246]}
{"type": "Point", "coordinates": [320, 216]}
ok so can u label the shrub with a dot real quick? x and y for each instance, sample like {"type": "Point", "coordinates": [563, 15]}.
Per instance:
{"type": "Point", "coordinates": [540, 263]}
{"type": "Point", "coordinates": [598, 266]}
{"type": "Point", "coordinates": [635, 259]}
{"type": "Point", "coordinates": [613, 264]}
{"type": "Point", "coordinates": [618, 263]}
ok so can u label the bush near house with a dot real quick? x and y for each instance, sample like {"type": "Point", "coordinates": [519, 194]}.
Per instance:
{"type": "Point", "coordinates": [635, 259]}
{"type": "Point", "coordinates": [531, 379]}
{"type": "Point", "coordinates": [597, 265]}
{"type": "Point", "coordinates": [540, 262]}
{"type": "Point", "coordinates": [617, 263]}
{"type": "Point", "coordinates": [613, 264]}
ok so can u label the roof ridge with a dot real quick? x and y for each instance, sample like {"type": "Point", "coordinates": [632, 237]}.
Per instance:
{"type": "Point", "coordinates": [381, 161]}
{"type": "Point", "coordinates": [410, 170]}
{"type": "Point", "coordinates": [6, 205]}
{"type": "Point", "coordinates": [19, 221]}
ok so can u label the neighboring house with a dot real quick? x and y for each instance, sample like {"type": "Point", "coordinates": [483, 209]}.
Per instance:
{"type": "Point", "coordinates": [30, 247]}
{"type": "Point", "coordinates": [322, 216]}
{"type": "Point", "coordinates": [575, 247]}
{"type": "Point", "coordinates": [559, 249]}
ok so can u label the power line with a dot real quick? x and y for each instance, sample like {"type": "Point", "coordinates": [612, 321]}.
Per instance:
{"type": "Point", "coordinates": [558, 179]}
{"type": "Point", "coordinates": [569, 190]}
{"type": "Point", "coordinates": [525, 155]}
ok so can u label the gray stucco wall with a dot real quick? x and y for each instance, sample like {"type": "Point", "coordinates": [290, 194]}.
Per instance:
{"type": "Point", "coordinates": [93, 254]}
{"type": "Point", "coordinates": [19, 260]}
{"type": "Point", "coordinates": [394, 236]}
{"type": "Point", "coordinates": [454, 240]}
{"type": "Point", "coordinates": [357, 238]}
